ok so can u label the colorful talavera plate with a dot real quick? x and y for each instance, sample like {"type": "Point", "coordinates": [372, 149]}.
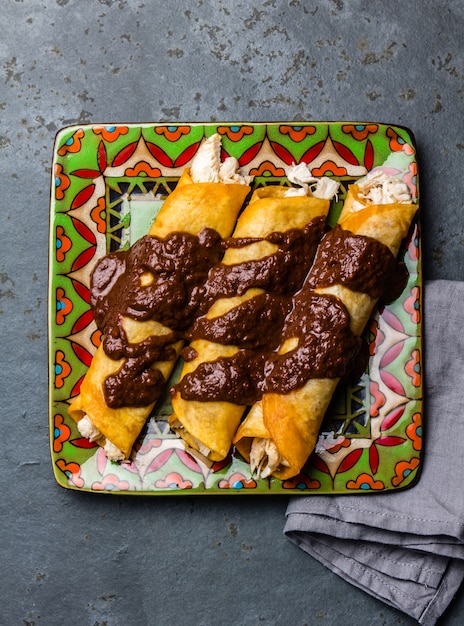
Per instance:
{"type": "Point", "coordinates": [108, 185]}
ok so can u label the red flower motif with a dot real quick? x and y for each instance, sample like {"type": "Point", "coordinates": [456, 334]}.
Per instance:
{"type": "Point", "coordinates": [83, 196]}
{"type": "Point", "coordinates": [412, 305]}
{"type": "Point", "coordinates": [62, 369]}
{"type": "Point", "coordinates": [142, 168]}
{"type": "Point", "coordinates": [301, 482]}
{"type": "Point", "coordinates": [391, 354]}
{"type": "Point", "coordinates": [414, 431]}
{"type": "Point", "coordinates": [392, 382]}
{"type": "Point", "coordinates": [97, 215]}
{"type": "Point", "coordinates": [413, 368]}
{"type": "Point", "coordinates": [125, 154]}
{"type": "Point", "coordinates": [350, 461]}
{"type": "Point", "coordinates": [144, 447]}
{"type": "Point", "coordinates": [412, 244]}
{"type": "Point", "coordinates": [374, 459]}
{"type": "Point", "coordinates": [173, 481]}
{"type": "Point", "coordinates": [266, 168]}
{"type": "Point", "coordinates": [73, 144]}
{"type": "Point", "coordinates": [392, 320]}
{"type": "Point", "coordinates": [84, 443]}
{"type": "Point", "coordinates": [398, 144]}
{"type": "Point", "coordinates": [297, 133]}
{"type": "Point", "coordinates": [72, 471]}
{"type": "Point", "coordinates": [403, 469]}
{"type": "Point", "coordinates": [365, 482]}
{"type": "Point", "coordinates": [111, 133]}
{"type": "Point", "coordinates": [237, 481]}
{"type": "Point", "coordinates": [235, 133]}
{"type": "Point", "coordinates": [389, 440]}
{"type": "Point", "coordinates": [172, 133]}
{"type": "Point", "coordinates": [378, 398]}
{"type": "Point", "coordinates": [61, 433]}
{"type": "Point", "coordinates": [392, 418]}
{"type": "Point", "coordinates": [96, 338]}
{"type": "Point", "coordinates": [411, 178]}
{"type": "Point", "coordinates": [329, 167]}
{"type": "Point", "coordinates": [360, 131]}
{"type": "Point", "coordinates": [110, 482]}
{"type": "Point", "coordinates": [82, 321]}
{"type": "Point", "coordinates": [369, 155]}
{"type": "Point", "coordinates": [334, 447]}
{"type": "Point", "coordinates": [63, 244]}
{"type": "Point", "coordinates": [376, 337]}
{"type": "Point", "coordinates": [62, 182]}
{"type": "Point", "coordinates": [64, 306]}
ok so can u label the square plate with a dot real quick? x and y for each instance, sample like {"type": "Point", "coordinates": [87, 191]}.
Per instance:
{"type": "Point", "coordinates": [108, 184]}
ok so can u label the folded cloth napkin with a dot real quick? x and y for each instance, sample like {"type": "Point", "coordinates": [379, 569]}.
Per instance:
{"type": "Point", "coordinates": [406, 547]}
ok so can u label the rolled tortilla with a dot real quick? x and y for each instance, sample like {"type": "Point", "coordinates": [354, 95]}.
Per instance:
{"type": "Point", "coordinates": [281, 431]}
{"type": "Point", "coordinates": [208, 195]}
{"type": "Point", "coordinates": [208, 425]}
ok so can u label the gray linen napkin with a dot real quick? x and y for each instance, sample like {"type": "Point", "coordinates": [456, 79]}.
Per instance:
{"type": "Point", "coordinates": [406, 547]}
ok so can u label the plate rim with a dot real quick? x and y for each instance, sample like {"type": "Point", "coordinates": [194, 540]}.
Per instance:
{"type": "Point", "coordinates": [52, 326]}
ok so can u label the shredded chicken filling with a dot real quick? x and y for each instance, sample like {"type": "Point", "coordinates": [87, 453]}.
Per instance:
{"type": "Point", "coordinates": [206, 166]}
{"type": "Point", "coordinates": [88, 430]}
{"type": "Point", "coordinates": [265, 457]}
{"type": "Point", "coordinates": [381, 188]}
{"type": "Point", "coordinates": [325, 187]}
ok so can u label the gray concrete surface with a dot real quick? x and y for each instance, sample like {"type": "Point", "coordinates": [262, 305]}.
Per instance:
{"type": "Point", "coordinates": [70, 558]}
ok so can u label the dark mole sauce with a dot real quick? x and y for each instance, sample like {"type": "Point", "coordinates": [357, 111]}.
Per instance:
{"type": "Point", "coordinates": [326, 346]}
{"type": "Point", "coordinates": [254, 324]}
{"type": "Point", "coordinates": [320, 325]}
{"type": "Point", "coordinates": [186, 277]}
{"type": "Point", "coordinates": [360, 263]}
{"type": "Point", "coordinates": [177, 266]}
{"type": "Point", "coordinates": [282, 272]}
{"type": "Point", "coordinates": [179, 292]}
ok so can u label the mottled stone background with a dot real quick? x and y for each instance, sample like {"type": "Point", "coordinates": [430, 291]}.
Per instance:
{"type": "Point", "coordinates": [79, 559]}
